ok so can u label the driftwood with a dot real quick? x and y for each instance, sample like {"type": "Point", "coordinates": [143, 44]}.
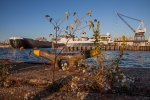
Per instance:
{"type": "Point", "coordinates": [72, 58]}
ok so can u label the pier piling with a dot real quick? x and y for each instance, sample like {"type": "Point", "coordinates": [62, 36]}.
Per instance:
{"type": "Point", "coordinates": [130, 48]}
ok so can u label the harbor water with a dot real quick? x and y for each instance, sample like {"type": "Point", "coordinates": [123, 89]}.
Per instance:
{"type": "Point", "coordinates": [138, 59]}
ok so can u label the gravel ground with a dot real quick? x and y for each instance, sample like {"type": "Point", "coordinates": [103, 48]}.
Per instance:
{"type": "Point", "coordinates": [24, 71]}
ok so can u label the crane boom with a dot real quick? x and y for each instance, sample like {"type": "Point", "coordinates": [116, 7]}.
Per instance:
{"type": "Point", "coordinates": [124, 21]}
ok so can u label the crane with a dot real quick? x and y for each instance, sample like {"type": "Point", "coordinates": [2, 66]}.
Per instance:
{"type": "Point", "coordinates": [138, 32]}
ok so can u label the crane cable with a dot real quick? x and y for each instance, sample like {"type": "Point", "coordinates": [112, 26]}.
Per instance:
{"type": "Point", "coordinates": [115, 20]}
{"type": "Point", "coordinates": [130, 17]}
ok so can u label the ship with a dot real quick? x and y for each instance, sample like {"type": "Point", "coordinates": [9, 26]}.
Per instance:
{"type": "Point", "coordinates": [39, 42]}
{"type": "Point", "coordinates": [65, 40]}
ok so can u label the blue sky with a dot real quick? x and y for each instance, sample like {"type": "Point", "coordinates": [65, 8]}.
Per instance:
{"type": "Point", "coordinates": [26, 18]}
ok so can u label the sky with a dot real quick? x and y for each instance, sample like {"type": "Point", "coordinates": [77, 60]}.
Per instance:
{"type": "Point", "coordinates": [26, 18]}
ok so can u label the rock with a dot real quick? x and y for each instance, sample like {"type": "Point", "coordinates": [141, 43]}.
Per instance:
{"type": "Point", "coordinates": [38, 82]}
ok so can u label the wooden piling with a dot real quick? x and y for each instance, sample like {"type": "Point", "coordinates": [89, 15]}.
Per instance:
{"type": "Point", "coordinates": [130, 48]}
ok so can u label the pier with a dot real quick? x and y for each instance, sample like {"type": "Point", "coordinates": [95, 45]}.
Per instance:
{"type": "Point", "coordinates": [130, 48]}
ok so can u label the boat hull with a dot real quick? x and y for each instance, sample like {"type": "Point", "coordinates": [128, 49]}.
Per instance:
{"type": "Point", "coordinates": [29, 43]}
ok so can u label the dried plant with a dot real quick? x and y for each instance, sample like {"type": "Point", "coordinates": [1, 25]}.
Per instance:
{"type": "Point", "coordinates": [4, 74]}
{"type": "Point", "coordinates": [105, 78]}
{"type": "Point", "coordinates": [71, 29]}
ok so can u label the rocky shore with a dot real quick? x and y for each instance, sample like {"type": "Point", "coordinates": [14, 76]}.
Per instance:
{"type": "Point", "coordinates": [33, 82]}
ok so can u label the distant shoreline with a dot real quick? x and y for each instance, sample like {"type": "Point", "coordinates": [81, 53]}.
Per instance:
{"type": "Point", "coordinates": [5, 46]}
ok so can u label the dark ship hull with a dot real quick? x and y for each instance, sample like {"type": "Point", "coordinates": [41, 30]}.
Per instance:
{"type": "Point", "coordinates": [28, 43]}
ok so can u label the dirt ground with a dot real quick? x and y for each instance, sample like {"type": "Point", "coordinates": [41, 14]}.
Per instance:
{"type": "Point", "coordinates": [41, 75]}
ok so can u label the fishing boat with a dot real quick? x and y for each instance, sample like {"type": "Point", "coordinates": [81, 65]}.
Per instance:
{"type": "Point", "coordinates": [39, 42]}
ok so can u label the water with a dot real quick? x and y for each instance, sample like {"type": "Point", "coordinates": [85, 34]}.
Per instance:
{"type": "Point", "coordinates": [132, 58]}
{"type": "Point", "coordinates": [139, 59]}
